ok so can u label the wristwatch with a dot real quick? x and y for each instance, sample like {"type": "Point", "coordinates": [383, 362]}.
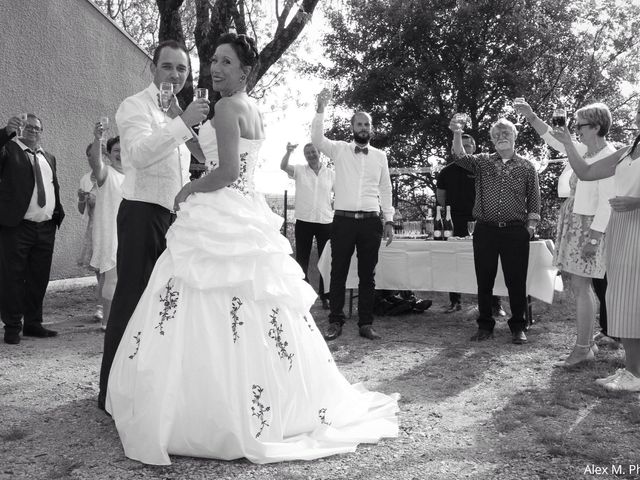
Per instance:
{"type": "Point", "coordinates": [593, 241]}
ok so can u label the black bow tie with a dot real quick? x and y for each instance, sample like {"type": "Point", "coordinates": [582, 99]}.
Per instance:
{"type": "Point", "coordinates": [364, 150]}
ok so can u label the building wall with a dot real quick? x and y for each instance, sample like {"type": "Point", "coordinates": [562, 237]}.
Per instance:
{"type": "Point", "coordinates": [69, 64]}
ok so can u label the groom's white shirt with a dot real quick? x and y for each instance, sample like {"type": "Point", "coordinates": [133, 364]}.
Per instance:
{"type": "Point", "coordinates": [155, 160]}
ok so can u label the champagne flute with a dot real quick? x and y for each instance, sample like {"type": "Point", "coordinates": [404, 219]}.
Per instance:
{"type": "Point", "coordinates": [166, 96]}
{"type": "Point", "coordinates": [471, 226]}
{"type": "Point", "coordinates": [518, 101]}
{"type": "Point", "coordinates": [23, 119]}
{"type": "Point", "coordinates": [202, 93]}
{"type": "Point", "coordinates": [104, 121]}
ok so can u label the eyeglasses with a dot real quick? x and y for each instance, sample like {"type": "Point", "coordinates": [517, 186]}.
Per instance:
{"type": "Point", "coordinates": [33, 128]}
{"type": "Point", "coordinates": [578, 126]}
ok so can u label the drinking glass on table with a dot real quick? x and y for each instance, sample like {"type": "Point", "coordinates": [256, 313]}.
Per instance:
{"type": "Point", "coordinates": [471, 226]}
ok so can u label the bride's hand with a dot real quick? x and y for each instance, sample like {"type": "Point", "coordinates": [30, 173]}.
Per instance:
{"type": "Point", "coordinates": [562, 134]}
{"type": "Point", "coordinates": [182, 196]}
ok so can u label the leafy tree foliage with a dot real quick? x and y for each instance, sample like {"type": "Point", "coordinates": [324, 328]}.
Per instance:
{"type": "Point", "coordinates": [413, 63]}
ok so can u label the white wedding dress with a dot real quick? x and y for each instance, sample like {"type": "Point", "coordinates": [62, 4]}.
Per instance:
{"type": "Point", "coordinates": [221, 358]}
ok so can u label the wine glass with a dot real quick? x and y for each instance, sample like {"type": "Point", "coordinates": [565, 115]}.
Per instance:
{"type": "Point", "coordinates": [559, 117]}
{"type": "Point", "coordinates": [166, 96]}
{"type": "Point", "coordinates": [518, 101]}
{"type": "Point", "coordinates": [462, 119]}
{"type": "Point", "coordinates": [471, 226]}
{"type": "Point", "coordinates": [23, 119]}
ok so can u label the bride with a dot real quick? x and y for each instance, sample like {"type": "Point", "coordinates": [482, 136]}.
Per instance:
{"type": "Point", "coordinates": [222, 358]}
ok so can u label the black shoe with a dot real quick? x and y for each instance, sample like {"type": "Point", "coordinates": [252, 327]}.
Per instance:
{"type": "Point", "coordinates": [367, 331]}
{"type": "Point", "coordinates": [334, 331]}
{"type": "Point", "coordinates": [325, 304]}
{"type": "Point", "coordinates": [481, 335]}
{"type": "Point", "coordinates": [498, 311]}
{"type": "Point", "coordinates": [422, 305]}
{"type": "Point", "coordinates": [518, 337]}
{"type": "Point", "coordinates": [454, 307]}
{"type": "Point", "coordinates": [38, 331]}
{"type": "Point", "coordinates": [12, 338]}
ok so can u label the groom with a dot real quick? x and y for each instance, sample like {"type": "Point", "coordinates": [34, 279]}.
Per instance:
{"type": "Point", "coordinates": [156, 150]}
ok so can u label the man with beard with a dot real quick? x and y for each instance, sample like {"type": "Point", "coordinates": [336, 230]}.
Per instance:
{"type": "Point", "coordinates": [155, 150]}
{"type": "Point", "coordinates": [507, 211]}
{"type": "Point", "coordinates": [362, 187]}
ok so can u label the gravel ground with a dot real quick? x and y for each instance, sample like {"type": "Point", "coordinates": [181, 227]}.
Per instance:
{"type": "Point", "coordinates": [487, 410]}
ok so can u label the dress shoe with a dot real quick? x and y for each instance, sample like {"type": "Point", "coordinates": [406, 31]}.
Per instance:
{"type": "Point", "coordinates": [481, 335]}
{"type": "Point", "coordinates": [518, 337]}
{"type": "Point", "coordinates": [422, 305]}
{"type": "Point", "coordinates": [325, 304]}
{"type": "Point", "coordinates": [454, 307]}
{"type": "Point", "coordinates": [38, 331]}
{"type": "Point", "coordinates": [367, 331]}
{"type": "Point", "coordinates": [498, 311]}
{"type": "Point", "coordinates": [12, 338]}
{"type": "Point", "coordinates": [334, 331]}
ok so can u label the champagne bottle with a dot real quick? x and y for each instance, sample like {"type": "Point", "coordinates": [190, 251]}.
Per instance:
{"type": "Point", "coordinates": [438, 225]}
{"type": "Point", "coordinates": [428, 224]}
{"type": "Point", "coordinates": [447, 225]}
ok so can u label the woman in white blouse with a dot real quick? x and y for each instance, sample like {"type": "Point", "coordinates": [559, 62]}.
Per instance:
{"type": "Point", "coordinates": [582, 219]}
{"type": "Point", "coordinates": [622, 252]}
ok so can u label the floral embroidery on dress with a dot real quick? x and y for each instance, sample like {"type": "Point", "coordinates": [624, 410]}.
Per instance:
{"type": "Point", "coordinates": [307, 322]}
{"type": "Point", "coordinates": [137, 339]}
{"type": "Point", "coordinates": [236, 303]}
{"type": "Point", "coordinates": [276, 333]}
{"type": "Point", "coordinates": [322, 414]}
{"type": "Point", "coordinates": [170, 303]}
{"type": "Point", "coordinates": [241, 184]}
{"type": "Point", "coordinates": [258, 409]}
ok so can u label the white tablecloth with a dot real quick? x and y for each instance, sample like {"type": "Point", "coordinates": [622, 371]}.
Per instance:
{"type": "Point", "coordinates": [446, 267]}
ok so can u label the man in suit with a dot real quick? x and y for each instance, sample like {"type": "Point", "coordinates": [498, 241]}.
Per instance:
{"type": "Point", "coordinates": [156, 150]}
{"type": "Point", "coordinates": [30, 211]}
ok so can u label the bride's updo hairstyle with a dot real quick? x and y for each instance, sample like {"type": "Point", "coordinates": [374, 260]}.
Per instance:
{"type": "Point", "coordinates": [245, 47]}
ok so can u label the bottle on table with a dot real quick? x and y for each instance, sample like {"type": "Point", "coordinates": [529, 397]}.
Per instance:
{"type": "Point", "coordinates": [428, 224]}
{"type": "Point", "coordinates": [438, 227]}
{"type": "Point", "coordinates": [447, 225]}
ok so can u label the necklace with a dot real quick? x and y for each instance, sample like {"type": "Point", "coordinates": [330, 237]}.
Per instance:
{"type": "Point", "coordinates": [594, 153]}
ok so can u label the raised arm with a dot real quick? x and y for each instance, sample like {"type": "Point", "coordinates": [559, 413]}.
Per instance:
{"type": "Point", "coordinates": [603, 168]}
{"type": "Point", "coordinates": [321, 142]}
{"type": "Point", "coordinates": [284, 164]}
{"type": "Point", "coordinates": [96, 162]}
{"type": "Point", "coordinates": [468, 162]}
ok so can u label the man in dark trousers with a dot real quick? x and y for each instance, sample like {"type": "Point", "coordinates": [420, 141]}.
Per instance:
{"type": "Point", "coordinates": [507, 211]}
{"type": "Point", "coordinates": [457, 187]}
{"type": "Point", "coordinates": [362, 189]}
{"type": "Point", "coordinates": [156, 152]}
{"type": "Point", "coordinates": [30, 212]}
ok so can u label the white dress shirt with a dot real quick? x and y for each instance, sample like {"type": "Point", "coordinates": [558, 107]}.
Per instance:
{"type": "Point", "coordinates": [36, 213]}
{"type": "Point", "coordinates": [155, 160]}
{"type": "Point", "coordinates": [313, 193]}
{"type": "Point", "coordinates": [592, 196]}
{"type": "Point", "coordinates": [362, 182]}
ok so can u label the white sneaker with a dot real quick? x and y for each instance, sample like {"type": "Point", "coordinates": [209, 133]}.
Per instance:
{"type": "Point", "coordinates": [602, 381]}
{"type": "Point", "coordinates": [98, 315]}
{"type": "Point", "coordinates": [625, 382]}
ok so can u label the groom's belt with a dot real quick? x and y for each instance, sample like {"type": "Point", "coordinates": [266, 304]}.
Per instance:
{"type": "Point", "coordinates": [514, 223]}
{"type": "Point", "coordinates": [355, 214]}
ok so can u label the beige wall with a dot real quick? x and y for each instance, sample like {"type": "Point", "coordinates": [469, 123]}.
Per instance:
{"type": "Point", "coordinates": [66, 62]}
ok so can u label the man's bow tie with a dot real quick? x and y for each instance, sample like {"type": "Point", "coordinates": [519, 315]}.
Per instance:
{"type": "Point", "coordinates": [364, 150]}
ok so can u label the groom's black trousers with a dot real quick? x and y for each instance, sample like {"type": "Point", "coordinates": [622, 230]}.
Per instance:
{"type": "Point", "coordinates": [141, 240]}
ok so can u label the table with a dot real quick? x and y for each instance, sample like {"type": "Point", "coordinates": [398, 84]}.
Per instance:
{"type": "Point", "coordinates": [446, 267]}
